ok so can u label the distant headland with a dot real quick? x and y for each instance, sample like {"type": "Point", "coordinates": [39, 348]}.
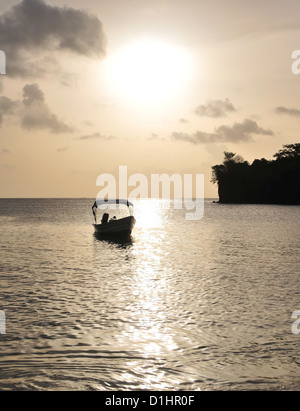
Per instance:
{"type": "Point", "coordinates": [262, 182]}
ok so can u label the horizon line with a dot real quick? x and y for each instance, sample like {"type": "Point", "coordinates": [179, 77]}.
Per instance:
{"type": "Point", "coordinates": [93, 198]}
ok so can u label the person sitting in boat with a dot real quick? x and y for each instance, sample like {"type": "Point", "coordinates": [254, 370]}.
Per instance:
{"type": "Point", "coordinates": [113, 218]}
{"type": "Point", "coordinates": [105, 218]}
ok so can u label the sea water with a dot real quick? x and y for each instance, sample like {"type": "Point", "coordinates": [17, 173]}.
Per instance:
{"type": "Point", "coordinates": [183, 305]}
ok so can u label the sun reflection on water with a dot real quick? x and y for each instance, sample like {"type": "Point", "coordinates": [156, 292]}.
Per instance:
{"type": "Point", "coordinates": [148, 214]}
{"type": "Point", "coordinates": [150, 333]}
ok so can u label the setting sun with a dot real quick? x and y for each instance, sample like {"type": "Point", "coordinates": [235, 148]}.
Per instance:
{"type": "Point", "coordinates": [148, 71]}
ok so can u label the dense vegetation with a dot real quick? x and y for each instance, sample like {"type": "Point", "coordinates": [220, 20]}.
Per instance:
{"type": "Point", "coordinates": [264, 181]}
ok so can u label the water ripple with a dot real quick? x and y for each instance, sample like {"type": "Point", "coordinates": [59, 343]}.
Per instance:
{"type": "Point", "coordinates": [183, 305]}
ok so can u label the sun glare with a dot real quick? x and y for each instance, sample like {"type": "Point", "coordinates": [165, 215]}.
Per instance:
{"type": "Point", "coordinates": [149, 71]}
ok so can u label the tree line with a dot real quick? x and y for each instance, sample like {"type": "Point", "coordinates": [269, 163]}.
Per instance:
{"type": "Point", "coordinates": [264, 181]}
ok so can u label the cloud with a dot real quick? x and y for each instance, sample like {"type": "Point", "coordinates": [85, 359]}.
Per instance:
{"type": "Point", "coordinates": [238, 132]}
{"type": "Point", "coordinates": [242, 131]}
{"type": "Point", "coordinates": [32, 93]}
{"type": "Point", "coordinates": [7, 107]}
{"type": "Point", "coordinates": [88, 123]}
{"type": "Point", "coordinates": [33, 26]}
{"type": "Point", "coordinates": [61, 149]}
{"type": "Point", "coordinates": [32, 112]}
{"type": "Point", "coordinates": [35, 113]}
{"type": "Point", "coordinates": [8, 166]}
{"type": "Point", "coordinates": [155, 137]}
{"type": "Point", "coordinates": [293, 112]}
{"type": "Point", "coordinates": [215, 108]}
{"type": "Point", "coordinates": [68, 80]}
{"type": "Point", "coordinates": [96, 136]}
{"type": "Point", "coordinates": [197, 138]}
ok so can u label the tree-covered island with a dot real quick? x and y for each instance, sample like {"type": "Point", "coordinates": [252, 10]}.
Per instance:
{"type": "Point", "coordinates": [262, 182]}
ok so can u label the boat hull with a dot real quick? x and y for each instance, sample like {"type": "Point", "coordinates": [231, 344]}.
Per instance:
{"type": "Point", "coordinates": [123, 226]}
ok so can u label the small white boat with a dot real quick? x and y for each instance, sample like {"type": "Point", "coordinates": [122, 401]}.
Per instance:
{"type": "Point", "coordinates": [116, 227]}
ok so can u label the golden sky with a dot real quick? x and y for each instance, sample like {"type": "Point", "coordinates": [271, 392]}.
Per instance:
{"type": "Point", "coordinates": [161, 86]}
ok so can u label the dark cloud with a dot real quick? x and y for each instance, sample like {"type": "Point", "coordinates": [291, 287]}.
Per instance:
{"type": "Point", "coordinates": [238, 132]}
{"type": "Point", "coordinates": [32, 112]}
{"type": "Point", "coordinates": [242, 131]}
{"type": "Point", "coordinates": [96, 136]}
{"type": "Point", "coordinates": [293, 112]}
{"type": "Point", "coordinates": [7, 107]}
{"type": "Point", "coordinates": [33, 26]}
{"type": "Point", "coordinates": [32, 93]}
{"type": "Point", "coordinates": [35, 114]}
{"type": "Point", "coordinates": [215, 108]}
